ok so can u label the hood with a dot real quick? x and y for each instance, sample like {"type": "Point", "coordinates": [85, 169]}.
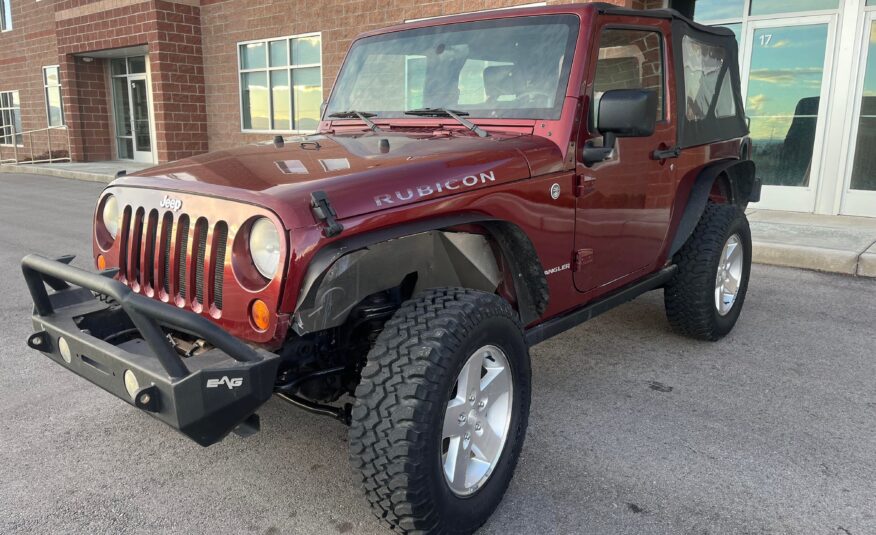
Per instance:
{"type": "Point", "coordinates": [360, 172]}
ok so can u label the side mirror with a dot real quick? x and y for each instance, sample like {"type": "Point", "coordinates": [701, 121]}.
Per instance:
{"type": "Point", "coordinates": [622, 113]}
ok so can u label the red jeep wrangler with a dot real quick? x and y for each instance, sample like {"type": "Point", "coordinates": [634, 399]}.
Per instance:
{"type": "Point", "coordinates": [477, 185]}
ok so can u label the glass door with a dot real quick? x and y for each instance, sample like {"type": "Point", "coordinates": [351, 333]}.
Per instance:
{"type": "Point", "coordinates": [139, 96]}
{"type": "Point", "coordinates": [131, 109]}
{"type": "Point", "coordinates": [785, 81]}
{"type": "Point", "coordinates": [859, 195]}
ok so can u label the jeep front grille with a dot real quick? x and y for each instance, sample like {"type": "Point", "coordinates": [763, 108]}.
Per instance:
{"type": "Point", "coordinates": [165, 252]}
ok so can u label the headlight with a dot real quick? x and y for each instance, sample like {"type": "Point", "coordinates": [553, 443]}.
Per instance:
{"type": "Point", "coordinates": [264, 246]}
{"type": "Point", "coordinates": [110, 215]}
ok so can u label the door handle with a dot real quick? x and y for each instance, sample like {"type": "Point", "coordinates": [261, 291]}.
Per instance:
{"type": "Point", "coordinates": [665, 154]}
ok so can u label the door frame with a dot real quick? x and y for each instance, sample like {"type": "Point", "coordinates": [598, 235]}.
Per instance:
{"type": "Point", "coordinates": [796, 198]}
{"type": "Point", "coordinates": [857, 202]}
{"type": "Point", "coordinates": [141, 155]}
{"type": "Point", "coordinates": [138, 156]}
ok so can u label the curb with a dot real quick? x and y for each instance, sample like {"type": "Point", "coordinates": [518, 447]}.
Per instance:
{"type": "Point", "coordinates": [56, 173]}
{"type": "Point", "coordinates": [862, 264]}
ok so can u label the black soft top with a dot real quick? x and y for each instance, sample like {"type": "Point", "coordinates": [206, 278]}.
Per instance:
{"type": "Point", "coordinates": [700, 125]}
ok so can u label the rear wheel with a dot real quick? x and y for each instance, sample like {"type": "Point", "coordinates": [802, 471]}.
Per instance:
{"type": "Point", "coordinates": [705, 297]}
{"type": "Point", "coordinates": [441, 412]}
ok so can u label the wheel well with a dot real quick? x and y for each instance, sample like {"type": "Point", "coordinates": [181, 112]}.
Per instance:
{"type": "Point", "coordinates": [721, 192]}
{"type": "Point", "coordinates": [490, 256]}
{"type": "Point", "coordinates": [723, 182]}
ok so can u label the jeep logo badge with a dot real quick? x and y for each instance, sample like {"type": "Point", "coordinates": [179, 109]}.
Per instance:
{"type": "Point", "coordinates": [170, 203]}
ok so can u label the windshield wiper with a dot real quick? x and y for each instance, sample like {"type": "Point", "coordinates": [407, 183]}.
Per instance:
{"type": "Point", "coordinates": [455, 114]}
{"type": "Point", "coordinates": [364, 116]}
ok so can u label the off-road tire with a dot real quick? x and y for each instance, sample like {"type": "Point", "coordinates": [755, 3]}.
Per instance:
{"type": "Point", "coordinates": [395, 434]}
{"type": "Point", "coordinates": [690, 296]}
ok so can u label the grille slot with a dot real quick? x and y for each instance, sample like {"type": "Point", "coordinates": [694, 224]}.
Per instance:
{"type": "Point", "coordinates": [166, 236]}
{"type": "Point", "coordinates": [220, 237]}
{"type": "Point", "coordinates": [200, 249]}
{"type": "Point", "coordinates": [148, 267]}
{"type": "Point", "coordinates": [123, 242]}
{"type": "Point", "coordinates": [182, 237]}
{"type": "Point", "coordinates": [136, 243]}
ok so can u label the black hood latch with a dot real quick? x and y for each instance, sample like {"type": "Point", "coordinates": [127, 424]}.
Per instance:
{"type": "Point", "coordinates": [323, 211]}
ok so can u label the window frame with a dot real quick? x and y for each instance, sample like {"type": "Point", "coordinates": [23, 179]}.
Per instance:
{"type": "Point", "coordinates": [6, 16]}
{"type": "Point", "coordinates": [59, 86]}
{"type": "Point", "coordinates": [18, 137]}
{"type": "Point", "coordinates": [664, 120]}
{"type": "Point", "coordinates": [267, 70]}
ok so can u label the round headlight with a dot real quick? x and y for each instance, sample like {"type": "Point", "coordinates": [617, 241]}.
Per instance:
{"type": "Point", "coordinates": [264, 246]}
{"type": "Point", "coordinates": [110, 215]}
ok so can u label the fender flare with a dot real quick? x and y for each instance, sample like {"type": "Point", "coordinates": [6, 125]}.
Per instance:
{"type": "Point", "coordinates": [517, 250]}
{"type": "Point", "coordinates": [744, 188]}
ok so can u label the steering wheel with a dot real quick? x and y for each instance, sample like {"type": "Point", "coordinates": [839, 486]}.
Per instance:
{"type": "Point", "coordinates": [534, 97]}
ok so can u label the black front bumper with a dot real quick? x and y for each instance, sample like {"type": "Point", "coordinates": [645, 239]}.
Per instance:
{"type": "Point", "coordinates": [111, 330]}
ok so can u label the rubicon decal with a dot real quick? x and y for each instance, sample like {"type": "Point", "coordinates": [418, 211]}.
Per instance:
{"type": "Point", "coordinates": [427, 190]}
{"type": "Point", "coordinates": [233, 382]}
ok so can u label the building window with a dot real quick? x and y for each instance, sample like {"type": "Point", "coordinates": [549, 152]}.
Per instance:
{"type": "Point", "coordinates": [5, 16]}
{"type": "Point", "coordinates": [281, 84]}
{"type": "Point", "coordinates": [52, 87]}
{"type": "Point", "coordinates": [10, 118]}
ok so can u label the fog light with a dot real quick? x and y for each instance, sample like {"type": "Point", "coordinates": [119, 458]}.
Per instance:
{"type": "Point", "coordinates": [65, 350]}
{"type": "Point", "coordinates": [261, 316]}
{"type": "Point", "coordinates": [131, 384]}
{"type": "Point", "coordinates": [101, 262]}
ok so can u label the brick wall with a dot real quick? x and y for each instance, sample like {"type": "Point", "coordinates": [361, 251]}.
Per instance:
{"type": "Point", "coordinates": [648, 4]}
{"type": "Point", "coordinates": [89, 113]}
{"type": "Point", "coordinates": [24, 52]}
{"type": "Point", "coordinates": [172, 32]}
{"type": "Point", "coordinates": [228, 22]}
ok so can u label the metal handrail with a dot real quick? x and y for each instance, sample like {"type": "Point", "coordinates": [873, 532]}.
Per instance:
{"type": "Point", "coordinates": [29, 134]}
{"type": "Point", "coordinates": [3, 128]}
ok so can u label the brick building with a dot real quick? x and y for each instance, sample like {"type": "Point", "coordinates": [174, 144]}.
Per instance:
{"type": "Point", "coordinates": [158, 80]}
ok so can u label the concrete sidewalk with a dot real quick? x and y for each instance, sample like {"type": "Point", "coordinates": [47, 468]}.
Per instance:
{"type": "Point", "coordinates": [89, 171]}
{"type": "Point", "coordinates": [836, 244]}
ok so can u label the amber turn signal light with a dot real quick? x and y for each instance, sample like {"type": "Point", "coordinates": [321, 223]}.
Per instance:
{"type": "Point", "coordinates": [260, 315]}
{"type": "Point", "coordinates": [101, 262]}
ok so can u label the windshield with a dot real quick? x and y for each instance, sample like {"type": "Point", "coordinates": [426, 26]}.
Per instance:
{"type": "Point", "coordinates": [515, 68]}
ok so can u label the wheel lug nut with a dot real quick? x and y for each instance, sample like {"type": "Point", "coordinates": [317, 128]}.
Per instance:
{"type": "Point", "coordinates": [477, 426]}
{"type": "Point", "coordinates": [482, 404]}
{"type": "Point", "coordinates": [462, 418]}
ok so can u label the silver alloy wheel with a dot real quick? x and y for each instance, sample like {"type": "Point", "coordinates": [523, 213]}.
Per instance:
{"type": "Point", "coordinates": [729, 276]}
{"type": "Point", "coordinates": [477, 420]}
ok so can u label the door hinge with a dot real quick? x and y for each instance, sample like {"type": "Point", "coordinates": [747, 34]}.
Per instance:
{"type": "Point", "coordinates": [584, 184]}
{"type": "Point", "coordinates": [582, 258]}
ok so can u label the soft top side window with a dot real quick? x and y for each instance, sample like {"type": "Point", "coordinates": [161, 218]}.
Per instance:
{"type": "Point", "coordinates": [707, 81]}
{"type": "Point", "coordinates": [703, 71]}
{"type": "Point", "coordinates": [628, 59]}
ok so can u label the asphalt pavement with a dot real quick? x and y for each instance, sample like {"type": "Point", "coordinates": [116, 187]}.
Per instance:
{"type": "Point", "coordinates": [633, 429]}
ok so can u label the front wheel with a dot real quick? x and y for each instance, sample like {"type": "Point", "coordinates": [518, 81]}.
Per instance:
{"type": "Point", "coordinates": [705, 297]}
{"type": "Point", "coordinates": [441, 411]}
